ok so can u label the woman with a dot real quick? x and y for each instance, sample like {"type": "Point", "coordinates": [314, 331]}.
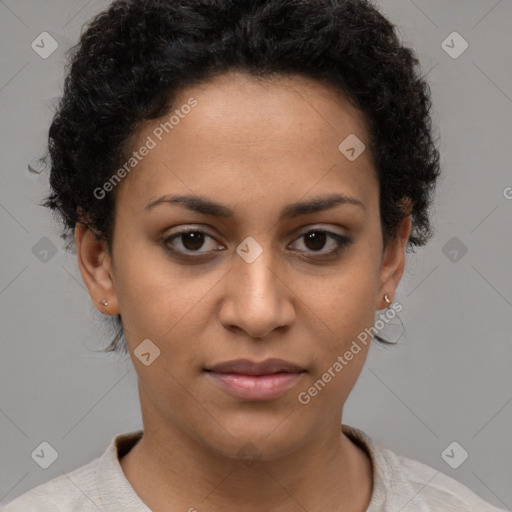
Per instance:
{"type": "Point", "coordinates": [243, 180]}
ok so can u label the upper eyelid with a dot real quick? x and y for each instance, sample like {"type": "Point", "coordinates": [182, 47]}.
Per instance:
{"type": "Point", "coordinates": [299, 232]}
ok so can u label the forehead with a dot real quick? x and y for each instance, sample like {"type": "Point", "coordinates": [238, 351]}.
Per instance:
{"type": "Point", "coordinates": [235, 136]}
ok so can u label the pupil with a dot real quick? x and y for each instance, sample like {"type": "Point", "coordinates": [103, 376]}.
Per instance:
{"type": "Point", "coordinates": [195, 237]}
{"type": "Point", "coordinates": [318, 239]}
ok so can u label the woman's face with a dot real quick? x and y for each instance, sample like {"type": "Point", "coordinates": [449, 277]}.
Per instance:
{"type": "Point", "coordinates": [250, 285]}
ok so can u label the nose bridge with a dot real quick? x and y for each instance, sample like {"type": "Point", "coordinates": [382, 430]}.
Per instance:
{"type": "Point", "coordinates": [256, 301]}
{"type": "Point", "coordinates": [256, 269]}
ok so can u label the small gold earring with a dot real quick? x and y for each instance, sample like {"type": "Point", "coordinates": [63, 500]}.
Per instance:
{"type": "Point", "coordinates": [386, 298]}
{"type": "Point", "coordinates": [104, 302]}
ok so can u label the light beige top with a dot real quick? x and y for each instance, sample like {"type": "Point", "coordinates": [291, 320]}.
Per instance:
{"type": "Point", "coordinates": [399, 484]}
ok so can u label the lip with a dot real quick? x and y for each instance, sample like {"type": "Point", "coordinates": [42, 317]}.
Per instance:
{"type": "Point", "coordinates": [250, 380]}
{"type": "Point", "coordinates": [248, 367]}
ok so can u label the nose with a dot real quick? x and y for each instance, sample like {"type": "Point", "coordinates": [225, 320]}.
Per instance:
{"type": "Point", "coordinates": [257, 297]}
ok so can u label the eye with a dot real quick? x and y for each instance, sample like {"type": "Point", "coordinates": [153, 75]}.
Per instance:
{"type": "Point", "coordinates": [316, 239]}
{"type": "Point", "coordinates": [190, 239]}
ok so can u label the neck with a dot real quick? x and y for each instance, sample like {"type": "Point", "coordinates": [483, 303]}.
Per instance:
{"type": "Point", "coordinates": [170, 470]}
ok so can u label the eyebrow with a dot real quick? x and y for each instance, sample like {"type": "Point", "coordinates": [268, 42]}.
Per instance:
{"type": "Point", "coordinates": [206, 206]}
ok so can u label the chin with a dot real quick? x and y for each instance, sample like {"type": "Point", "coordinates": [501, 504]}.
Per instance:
{"type": "Point", "coordinates": [255, 439]}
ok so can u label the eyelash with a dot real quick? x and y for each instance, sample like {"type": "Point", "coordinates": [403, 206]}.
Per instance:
{"type": "Point", "coordinates": [341, 241]}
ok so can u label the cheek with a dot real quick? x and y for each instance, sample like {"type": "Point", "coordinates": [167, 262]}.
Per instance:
{"type": "Point", "coordinates": [143, 288]}
{"type": "Point", "coordinates": [340, 355]}
{"type": "Point", "coordinates": [345, 301]}
{"type": "Point", "coordinates": [346, 308]}
{"type": "Point", "coordinates": [157, 297]}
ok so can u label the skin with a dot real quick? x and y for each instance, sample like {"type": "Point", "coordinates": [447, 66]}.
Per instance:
{"type": "Point", "coordinates": [254, 146]}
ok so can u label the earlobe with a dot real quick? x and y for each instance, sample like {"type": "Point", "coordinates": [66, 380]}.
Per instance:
{"type": "Point", "coordinates": [95, 267]}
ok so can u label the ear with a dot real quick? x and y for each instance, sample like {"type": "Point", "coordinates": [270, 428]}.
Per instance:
{"type": "Point", "coordinates": [96, 268]}
{"type": "Point", "coordinates": [393, 259]}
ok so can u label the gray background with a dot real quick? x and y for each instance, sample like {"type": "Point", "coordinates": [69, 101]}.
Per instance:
{"type": "Point", "coordinates": [449, 381]}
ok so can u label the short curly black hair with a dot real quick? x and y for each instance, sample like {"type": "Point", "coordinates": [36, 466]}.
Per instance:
{"type": "Point", "coordinates": [134, 57]}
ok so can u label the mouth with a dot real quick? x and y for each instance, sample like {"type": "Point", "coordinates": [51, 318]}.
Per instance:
{"type": "Point", "coordinates": [250, 380]}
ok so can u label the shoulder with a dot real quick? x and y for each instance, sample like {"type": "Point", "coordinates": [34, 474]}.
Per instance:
{"type": "Point", "coordinates": [402, 483]}
{"type": "Point", "coordinates": [98, 485]}
{"type": "Point", "coordinates": [73, 491]}
{"type": "Point", "coordinates": [419, 487]}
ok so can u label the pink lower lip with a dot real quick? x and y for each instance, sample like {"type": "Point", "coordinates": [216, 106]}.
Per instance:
{"type": "Point", "coordinates": [255, 387]}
